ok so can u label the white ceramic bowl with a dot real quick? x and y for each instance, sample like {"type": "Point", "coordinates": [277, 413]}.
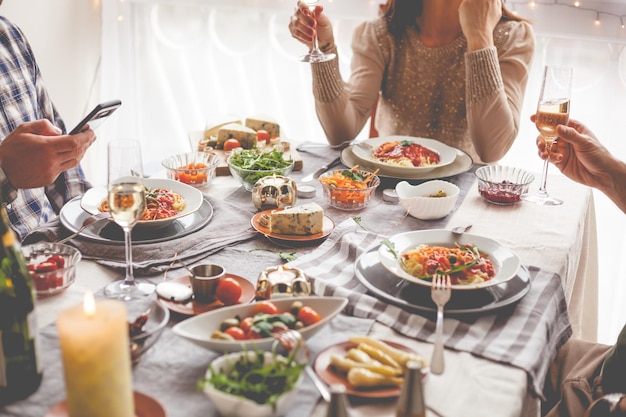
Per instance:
{"type": "Point", "coordinates": [229, 405]}
{"type": "Point", "coordinates": [193, 197]}
{"type": "Point", "coordinates": [417, 201]}
{"type": "Point", "coordinates": [198, 329]}
{"type": "Point", "coordinates": [503, 185]}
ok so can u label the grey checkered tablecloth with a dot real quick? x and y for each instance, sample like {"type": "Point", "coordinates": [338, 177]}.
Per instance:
{"type": "Point", "coordinates": [526, 336]}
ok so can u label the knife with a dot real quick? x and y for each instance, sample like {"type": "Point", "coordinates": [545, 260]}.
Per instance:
{"type": "Point", "coordinates": [321, 170]}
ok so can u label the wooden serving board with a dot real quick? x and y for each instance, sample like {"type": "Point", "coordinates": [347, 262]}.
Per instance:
{"type": "Point", "coordinates": [223, 170]}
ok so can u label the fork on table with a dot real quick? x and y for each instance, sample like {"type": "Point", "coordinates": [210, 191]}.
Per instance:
{"type": "Point", "coordinates": [440, 292]}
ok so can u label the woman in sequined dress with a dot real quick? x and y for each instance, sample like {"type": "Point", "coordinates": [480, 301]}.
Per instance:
{"type": "Point", "coordinates": [453, 70]}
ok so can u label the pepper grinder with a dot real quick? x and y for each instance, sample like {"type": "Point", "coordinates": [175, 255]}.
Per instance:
{"type": "Point", "coordinates": [338, 406]}
{"type": "Point", "coordinates": [411, 401]}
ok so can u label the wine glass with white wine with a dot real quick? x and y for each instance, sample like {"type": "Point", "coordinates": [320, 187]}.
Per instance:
{"type": "Point", "coordinates": [315, 54]}
{"type": "Point", "coordinates": [552, 110]}
{"type": "Point", "coordinates": [126, 199]}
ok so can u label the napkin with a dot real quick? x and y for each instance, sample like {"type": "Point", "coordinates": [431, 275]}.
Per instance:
{"type": "Point", "coordinates": [526, 336]}
{"type": "Point", "coordinates": [227, 227]}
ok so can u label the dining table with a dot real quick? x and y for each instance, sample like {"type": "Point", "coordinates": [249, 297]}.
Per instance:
{"type": "Point", "coordinates": [496, 356]}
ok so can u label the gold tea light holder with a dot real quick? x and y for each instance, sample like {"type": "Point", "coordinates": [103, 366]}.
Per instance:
{"type": "Point", "coordinates": [281, 282]}
{"type": "Point", "coordinates": [274, 192]}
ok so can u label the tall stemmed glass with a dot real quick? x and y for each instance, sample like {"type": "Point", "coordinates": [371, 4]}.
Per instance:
{"type": "Point", "coordinates": [126, 198]}
{"type": "Point", "coordinates": [552, 110]}
{"type": "Point", "coordinates": [315, 54]}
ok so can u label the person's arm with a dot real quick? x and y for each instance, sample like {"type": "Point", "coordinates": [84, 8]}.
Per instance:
{"type": "Point", "coordinates": [582, 157]}
{"type": "Point", "coordinates": [343, 108]}
{"type": "Point", "coordinates": [496, 84]}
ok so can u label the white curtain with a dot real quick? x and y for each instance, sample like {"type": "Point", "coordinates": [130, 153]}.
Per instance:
{"type": "Point", "coordinates": [178, 65]}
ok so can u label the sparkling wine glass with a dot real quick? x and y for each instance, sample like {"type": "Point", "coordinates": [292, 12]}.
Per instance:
{"type": "Point", "coordinates": [552, 110]}
{"type": "Point", "coordinates": [126, 198]}
{"type": "Point", "coordinates": [315, 54]}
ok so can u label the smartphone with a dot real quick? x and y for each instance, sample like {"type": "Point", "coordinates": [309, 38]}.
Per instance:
{"type": "Point", "coordinates": [97, 116]}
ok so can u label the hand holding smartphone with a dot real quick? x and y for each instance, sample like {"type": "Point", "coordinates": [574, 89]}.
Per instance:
{"type": "Point", "coordinates": [97, 116]}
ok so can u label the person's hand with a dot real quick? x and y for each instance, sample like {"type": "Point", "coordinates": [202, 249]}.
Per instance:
{"type": "Point", "coordinates": [577, 153]}
{"type": "Point", "coordinates": [302, 27]}
{"type": "Point", "coordinates": [478, 19]}
{"type": "Point", "coordinates": [35, 153]}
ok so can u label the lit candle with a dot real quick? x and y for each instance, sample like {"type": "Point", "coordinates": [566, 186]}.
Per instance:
{"type": "Point", "coordinates": [96, 359]}
{"type": "Point", "coordinates": [281, 274]}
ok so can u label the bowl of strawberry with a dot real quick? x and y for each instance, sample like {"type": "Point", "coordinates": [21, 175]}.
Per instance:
{"type": "Point", "coordinates": [52, 266]}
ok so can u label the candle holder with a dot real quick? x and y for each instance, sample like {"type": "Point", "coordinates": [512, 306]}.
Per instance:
{"type": "Point", "coordinates": [282, 281]}
{"type": "Point", "coordinates": [275, 191]}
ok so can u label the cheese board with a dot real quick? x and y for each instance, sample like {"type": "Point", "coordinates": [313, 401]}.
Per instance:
{"type": "Point", "coordinates": [222, 169]}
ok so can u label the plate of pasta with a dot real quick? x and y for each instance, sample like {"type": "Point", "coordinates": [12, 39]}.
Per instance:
{"type": "Point", "coordinates": [166, 201]}
{"type": "Point", "coordinates": [472, 261]}
{"type": "Point", "coordinates": [405, 155]}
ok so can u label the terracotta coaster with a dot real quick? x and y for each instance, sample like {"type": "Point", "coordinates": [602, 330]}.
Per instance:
{"type": "Point", "coordinates": [145, 406]}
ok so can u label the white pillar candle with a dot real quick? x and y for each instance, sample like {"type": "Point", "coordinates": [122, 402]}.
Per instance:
{"type": "Point", "coordinates": [96, 359]}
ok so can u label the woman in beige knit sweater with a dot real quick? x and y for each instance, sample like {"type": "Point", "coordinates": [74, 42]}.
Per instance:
{"type": "Point", "coordinates": [453, 70]}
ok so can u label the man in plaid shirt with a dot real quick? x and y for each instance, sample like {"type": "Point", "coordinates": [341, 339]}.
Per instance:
{"type": "Point", "coordinates": [39, 163]}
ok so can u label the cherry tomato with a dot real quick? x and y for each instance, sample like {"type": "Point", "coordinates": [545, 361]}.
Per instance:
{"type": "Point", "coordinates": [236, 332]}
{"type": "Point", "coordinates": [308, 316]}
{"type": "Point", "coordinates": [46, 266]}
{"type": "Point", "coordinates": [228, 291]}
{"type": "Point", "coordinates": [57, 259]}
{"type": "Point", "coordinates": [265, 307]}
{"type": "Point", "coordinates": [231, 144]}
{"type": "Point", "coordinates": [263, 136]}
{"type": "Point", "coordinates": [246, 324]}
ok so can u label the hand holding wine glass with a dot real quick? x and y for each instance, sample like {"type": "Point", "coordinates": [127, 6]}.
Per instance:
{"type": "Point", "coordinates": [126, 200]}
{"type": "Point", "coordinates": [315, 54]}
{"type": "Point", "coordinates": [552, 110]}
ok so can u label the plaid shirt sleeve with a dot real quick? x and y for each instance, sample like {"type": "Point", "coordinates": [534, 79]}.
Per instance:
{"type": "Point", "coordinates": [23, 98]}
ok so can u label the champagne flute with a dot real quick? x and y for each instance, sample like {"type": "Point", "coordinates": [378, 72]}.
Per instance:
{"type": "Point", "coordinates": [552, 110]}
{"type": "Point", "coordinates": [316, 54]}
{"type": "Point", "coordinates": [126, 198]}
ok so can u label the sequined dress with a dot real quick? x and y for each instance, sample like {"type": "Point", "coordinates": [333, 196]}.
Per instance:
{"type": "Point", "coordinates": [469, 100]}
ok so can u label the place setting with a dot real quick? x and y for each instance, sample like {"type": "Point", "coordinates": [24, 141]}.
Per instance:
{"type": "Point", "coordinates": [407, 158]}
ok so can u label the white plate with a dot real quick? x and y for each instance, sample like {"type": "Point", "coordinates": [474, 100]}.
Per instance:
{"type": "Point", "coordinates": [193, 198]}
{"type": "Point", "coordinates": [447, 154]}
{"type": "Point", "coordinates": [462, 163]}
{"type": "Point", "coordinates": [505, 261]}
{"type": "Point", "coordinates": [198, 329]}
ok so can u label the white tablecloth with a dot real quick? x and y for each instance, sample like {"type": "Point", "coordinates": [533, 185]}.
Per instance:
{"type": "Point", "coordinates": [559, 239]}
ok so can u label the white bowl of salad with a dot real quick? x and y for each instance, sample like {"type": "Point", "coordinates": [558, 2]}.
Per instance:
{"type": "Point", "coordinates": [252, 383]}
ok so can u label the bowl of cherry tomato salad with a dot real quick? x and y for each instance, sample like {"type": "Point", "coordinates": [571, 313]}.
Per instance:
{"type": "Point", "coordinates": [251, 326]}
{"type": "Point", "coordinates": [349, 189]}
{"type": "Point", "coordinates": [193, 168]}
{"type": "Point", "coordinates": [52, 266]}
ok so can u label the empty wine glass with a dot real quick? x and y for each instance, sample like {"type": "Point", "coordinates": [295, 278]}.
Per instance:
{"type": "Point", "coordinates": [126, 198]}
{"type": "Point", "coordinates": [315, 54]}
{"type": "Point", "coordinates": [552, 110]}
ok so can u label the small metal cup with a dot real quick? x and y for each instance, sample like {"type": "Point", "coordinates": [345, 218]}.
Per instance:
{"type": "Point", "coordinates": [204, 280]}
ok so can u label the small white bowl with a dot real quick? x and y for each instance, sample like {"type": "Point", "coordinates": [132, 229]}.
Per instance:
{"type": "Point", "coordinates": [417, 200]}
{"type": "Point", "coordinates": [229, 405]}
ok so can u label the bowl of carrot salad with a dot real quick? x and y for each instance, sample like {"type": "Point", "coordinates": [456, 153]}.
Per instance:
{"type": "Point", "coordinates": [349, 189]}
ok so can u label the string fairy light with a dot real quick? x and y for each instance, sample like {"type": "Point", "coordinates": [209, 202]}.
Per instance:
{"type": "Point", "coordinates": [533, 4]}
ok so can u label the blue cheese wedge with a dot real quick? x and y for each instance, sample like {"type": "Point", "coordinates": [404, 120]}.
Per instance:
{"type": "Point", "coordinates": [245, 135]}
{"type": "Point", "coordinates": [264, 123]}
{"type": "Point", "coordinates": [306, 219]}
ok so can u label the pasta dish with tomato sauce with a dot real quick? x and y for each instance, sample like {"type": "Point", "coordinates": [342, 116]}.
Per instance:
{"type": "Point", "coordinates": [405, 153]}
{"type": "Point", "coordinates": [160, 204]}
{"type": "Point", "coordinates": [465, 264]}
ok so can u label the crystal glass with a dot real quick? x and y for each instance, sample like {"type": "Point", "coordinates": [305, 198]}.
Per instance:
{"type": "Point", "coordinates": [552, 110]}
{"type": "Point", "coordinates": [126, 200]}
{"type": "Point", "coordinates": [315, 54]}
